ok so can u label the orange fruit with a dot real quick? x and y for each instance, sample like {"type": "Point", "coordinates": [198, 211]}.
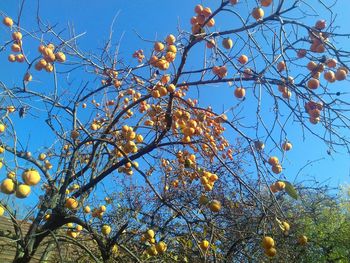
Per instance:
{"type": "Point", "coordinates": [258, 13]}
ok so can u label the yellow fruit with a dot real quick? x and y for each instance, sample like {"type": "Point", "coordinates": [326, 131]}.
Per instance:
{"type": "Point", "coordinates": [17, 36]}
{"type": "Point", "coordinates": [72, 234]}
{"type": "Point", "coordinates": [8, 21]}
{"type": "Point", "coordinates": [268, 242]}
{"type": "Point", "coordinates": [71, 203]}
{"type": "Point", "coordinates": [8, 186]}
{"type": "Point", "coordinates": [31, 177]}
{"type": "Point", "coordinates": [152, 251]}
{"type": "Point", "coordinates": [102, 208]}
{"type": "Point", "coordinates": [87, 209]}
{"type": "Point", "coordinates": [106, 230]}
{"type": "Point", "coordinates": [149, 234]}
{"type": "Point", "coordinates": [280, 185]}
{"type": "Point", "coordinates": [11, 175]}
{"type": "Point", "coordinates": [11, 58]}
{"type": "Point", "coordinates": [161, 247]}
{"type": "Point", "coordinates": [286, 226]}
{"type": "Point", "coordinates": [273, 160]}
{"type": "Point", "coordinates": [204, 245]}
{"type": "Point", "coordinates": [42, 156]}
{"type": "Point", "coordinates": [158, 46]}
{"type": "Point", "coordinates": [60, 57]}
{"type": "Point", "coordinates": [2, 149]}
{"type": "Point", "coordinates": [2, 128]}
{"type": "Point", "coordinates": [227, 43]}
{"type": "Point", "coordinates": [271, 252]}
{"type": "Point", "coordinates": [215, 206]}
{"type": "Point", "coordinates": [170, 39]}
{"type": "Point", "coordinates": [277, 169]}
{"type": "Point", "coordinates": [22, 191]}
{"type": "Point", "coordinates": [115, 250]}
{"type": "Point", "coordinates": [2, 211]}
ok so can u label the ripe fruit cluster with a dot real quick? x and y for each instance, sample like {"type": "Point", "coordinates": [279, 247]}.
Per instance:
{"type": "Point", "coordinates": [283, 87]}
{"type": "Point", "coordinates": [269, 246]}
{"type": "Point", "coordinates": [274, 162]}
{"type": "Point", "coordinates": [164, 54]}
{"type": "Point", "coordinates": [201, 19]}
{"type": "Point", "coordinates": [10, 185]}
{"type": "Point", "coordinates": [49, 57]}
{"type": "Point", "coordinates": [220, 71]}
{"type": "Point", "coordinates": [277, 186]}
{"type": "Point", "coordinates": [314, 110]}
{"type": "Point", "coordinates": [73, 231]}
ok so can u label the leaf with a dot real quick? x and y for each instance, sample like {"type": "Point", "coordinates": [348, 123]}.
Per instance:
{"type": "Point", "coordinates": [290, 190]}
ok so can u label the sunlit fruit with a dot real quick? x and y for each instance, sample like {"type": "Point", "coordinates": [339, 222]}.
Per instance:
{"type": "Point", "coordinates": [227, 43]}
{"type": "Point", "coordinates": [60, 57]}
{"type": "Point", "coordinates": [72, 203]}
{"type": "Point", "coordinates": [277, 169]}
{"type": "Point", "coordinates": [287, 146]}
{"type": "Point", "coordinates": [204, 245]}
{"type": "Point", "coordinates": [271, 252]}
{"type": "Point", "coordinates": [2, 210]}
{"type": "Point", "coordinates": [161, 247]}
{"type": "Point", "coordinates": [215, 206]}
{"type": "Point", "coordinates": [258, 13]}
{"type": "Point", "coordinates": [286, 226]}
{"type": "Point", "coordinates": [87, 209]}
{"type": "Point", "coordinates": [243, 59]}
{"type": "Point", "coordinates": [170, 39]}
{"type": "Point", "coordinates": [150, 234]}
{"type": "Point", "coordinates": [152, 251]}
{"type": "Point", "coordinates": [239, 92]}
{"type": "Point", "coordinates": [106, 230]}
{"type": "Point", "coordinates": [31, 177]}
{"type": "Point", "coordinates": [42, 156]}
{"type": "Point", "coordinates": [22, 191]}
{"type": "Point", "coordinates": [273, 160]}
{"type": "Point", "coordinates": [17, 36]}
{"type": "Point", "coordinates": [11, 58]}
{"type": "Point", "coordinates": [8, 186]}
{"type": "Point", "coordinates": [158, 46]}
{"type": "Point", "coordinates": [280, 185]}
{"type": "Point", "coordinates": [8, 21]}
{"type": "Point", "coordinates": [268, 242]}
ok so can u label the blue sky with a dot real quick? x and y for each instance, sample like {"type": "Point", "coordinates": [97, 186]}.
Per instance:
{"type": "Point", "coordinates": [153, 20]}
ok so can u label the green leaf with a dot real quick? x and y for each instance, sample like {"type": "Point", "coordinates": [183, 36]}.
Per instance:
{"type": "Point", "coordinates": [290, 190]}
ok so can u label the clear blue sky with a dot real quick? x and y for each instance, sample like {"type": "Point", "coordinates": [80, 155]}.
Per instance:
{"type": "Point", "coordinates": [153, 20]}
